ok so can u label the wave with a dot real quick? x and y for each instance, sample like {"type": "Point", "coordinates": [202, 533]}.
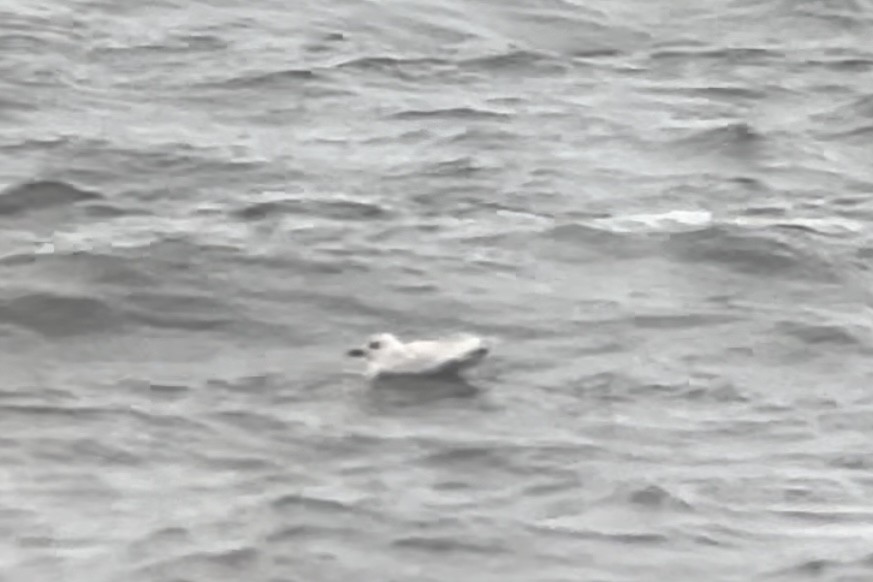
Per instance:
{"type": "Point", "coordinates": [766, 218]}
{"type": "Point", "coordinates": [195, 565]}
{"type": "Point", "coordinates": [174, 43]}
{"type": "Point", "coordinates": [9, 105]}
{"type": "Point", "coordinates": [59, 315]}
{"type": "Point", "coordinates": [821, 335]}
{"type": "Point", "coordinates": [576, 241]}
{"type": "Point", "coordinates": [737, 140]}
{"type": "Point", "coordinates": [321, 206]}
{"type": "Point", "coordinates": [751, 252]}
{"type": "Point", "coordinates": [830, 568]}
{"type": "Point", "coordinates": [668, 221]}
{"type": "Point", "coordinates": [756, 242]}
{"type": "Point", "coordinates": [514, 61]}
{"type": "Point", "coordinates": [452, 113]}
{"type": "Point", "coordinates": [175, 310]}
{"type": "Point", "coordinates": [391, 64]}
{"type": "Point", "coordinates": [452, 542]}
{"type": "Point", "coordinates": [850, 119]}
{"type": "Point", "coordinates": [752, 244]}
{"type": "Point", "coordinates": [749, 55]}
{"type": "Point", "coordinates": [269, 80]}
{"type": "Point", "coordinates": [651, 497]}
{"type": "Point", "coordinates": [94, 292]}
{"type": "Point", "coordinates": [41, 194]}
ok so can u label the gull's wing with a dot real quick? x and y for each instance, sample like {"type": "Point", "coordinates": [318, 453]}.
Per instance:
{"type": "Point", "coordinates": [447, 356]}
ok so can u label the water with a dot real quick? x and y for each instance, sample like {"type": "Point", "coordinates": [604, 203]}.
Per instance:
{"type": "Point", "coordinates": [661, 209]}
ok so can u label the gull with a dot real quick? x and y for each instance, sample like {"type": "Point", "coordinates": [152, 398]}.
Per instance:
{"type": "Point", "coordinates": [386, 355]}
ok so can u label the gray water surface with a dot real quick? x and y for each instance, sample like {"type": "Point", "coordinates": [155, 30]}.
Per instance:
{"type": "Point", "coordinates": [662, 210]}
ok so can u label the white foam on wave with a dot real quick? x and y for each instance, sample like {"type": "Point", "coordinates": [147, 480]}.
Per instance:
{"type": "Point", "coordinates": [683, 220]}
{"type": "Point", "coordinates": [670, 220]}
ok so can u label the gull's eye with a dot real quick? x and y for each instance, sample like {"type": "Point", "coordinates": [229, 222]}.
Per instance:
{"type": "Point", "coordinates": [375, 345]}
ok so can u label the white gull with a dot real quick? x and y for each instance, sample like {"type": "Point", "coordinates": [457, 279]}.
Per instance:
{"type": "Point", "coordinates": [387, 355]}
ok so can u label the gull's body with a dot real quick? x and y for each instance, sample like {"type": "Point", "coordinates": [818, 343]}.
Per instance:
{"type": "Point", "coordinates": [386, 355]}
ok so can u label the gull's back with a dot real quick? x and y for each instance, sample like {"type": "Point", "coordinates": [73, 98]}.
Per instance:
{"type": "Point", "coordinates": [432, 356]}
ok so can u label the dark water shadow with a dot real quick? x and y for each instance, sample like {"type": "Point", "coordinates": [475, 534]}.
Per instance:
{"type": "Point", "coordinates": [417, 390]}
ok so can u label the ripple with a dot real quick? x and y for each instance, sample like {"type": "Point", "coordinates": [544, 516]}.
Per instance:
{"type": "Point", "coordinates": [160, 543]}
{"type": "Point", "coordinates": [515, 61]}
{"type": "Point", "coordinates": [852, 119]}
{"type": "Point", "coordinates": [557, 527]}
{"type": "Point", "coordinates": [464, 166]}
{"type": "Point", "coordinates": [273, 80]}
{"type": "Point", "coordinates": [569, 241]}
{"type": "Point", "coordinates": [337, 207]}
{"type": "Point", "coordinates": [205, 565]}
{"type": "Point", "coordinates": [294, 502]}
{"type": "Point", "coordinates": [821, 335]}
{"type": "Point", "coordinates": [809, 568]}
{"type": "Point", "coordinates": [813, 568]}
{"type": "Point", "coordinates": [681, 321]}
{"type": "Point", "coordinates": [707, 51]}
{"type": "Point", "coordinates": [736, 139]}
{"type": "Point", "coordinates": [655, 497]}
{"type": "Point", "coordinates": [85, 269]}
{"type": "Point", "coordinates": [392, 64]}
{"type": "Point", "coordinates": [452, 113]}
{"type": "Point", "coordinates": [450, 544]}
{"type": "Point", "coordinates": [176, 310]}
{"type": "Point", "coordinates": [39, 195]}
{"type": "Point", "coordinates": [311, 515]}
{"type": "Point", "coordinates": [57, 315]}
{"type": "Point", "coordinates": [758, 253]}
{"type": "Point", "coordinates": [100, 452]}
{"type": "Point", "coordinates": [10, 105]}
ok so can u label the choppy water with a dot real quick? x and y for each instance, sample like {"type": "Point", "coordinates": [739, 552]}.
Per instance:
{"type": "Point", "coordinates": [663, 210]}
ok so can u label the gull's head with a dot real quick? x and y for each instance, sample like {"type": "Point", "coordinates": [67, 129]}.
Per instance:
{"type": "Point", "coordinates": [376, 345]}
